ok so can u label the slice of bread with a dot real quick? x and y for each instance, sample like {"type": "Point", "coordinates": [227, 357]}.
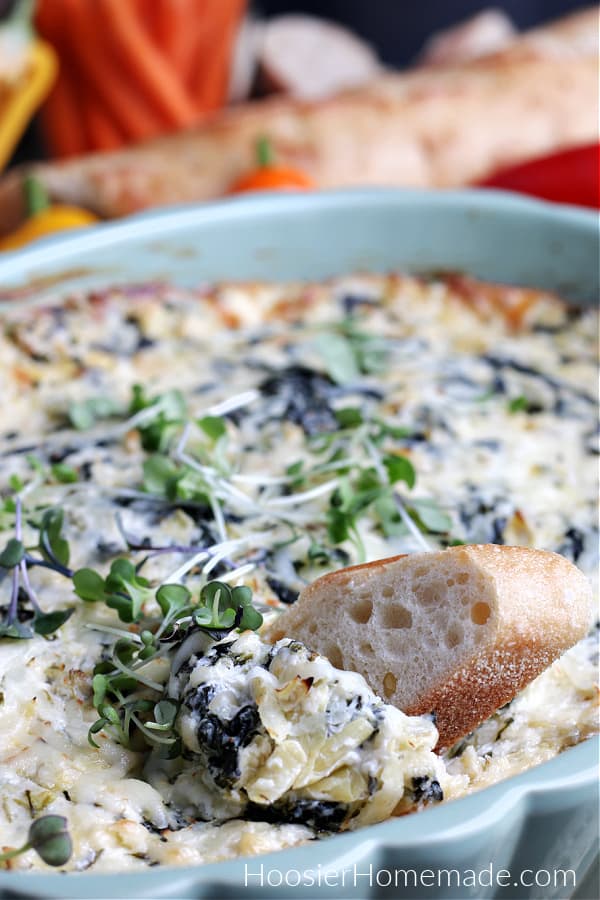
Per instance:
{"type": "Point", "coordinates": [456, 632]}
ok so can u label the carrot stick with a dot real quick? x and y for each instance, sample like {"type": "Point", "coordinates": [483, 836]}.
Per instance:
{"type": "Point", "coordinates": [167, 25]}
{"type": "Point", "coordinates": [176, 25]}
{"type": "Point", "coordinates": [60, 119]}
{"type": "Point", "coordinates": [131, 115]}
{"type": "Point", "coordinates": [200, 37]}
{"type": "Point", "coordinates": [212, 88]}
{"type": "Point", "coordinates": [152, 73]}
{"type": "Point", "coordinates": [144, 10]}
{"type": "Point", "coordinates": [209, 86]}
{"type": "Point", "coordinates": [100, 127]}
{"type": "Point", "coordinates": [207, 17]}
{"type": "Point", "coordinates": [44, 18]}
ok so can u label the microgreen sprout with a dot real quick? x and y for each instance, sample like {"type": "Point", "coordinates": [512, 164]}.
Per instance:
{"type": "Point", "coordinates": [518, 404]}
{"type": "Point", "coordinates": [158, 419]}
{"type": "Point", "coordinates": [49, 837]}
{"type": "Point", "coordinates": [16, 558]}
{"type": "Point", "coordinates": [124, 692]}
{"type": "Point", "coordinates": [349, 352]}
{"type": "Point", "coordinates": [362, 467]}
{"type": "Point", "coordinates": [86, 413]}
{"type": "Point", "coordinates": [122, 589]}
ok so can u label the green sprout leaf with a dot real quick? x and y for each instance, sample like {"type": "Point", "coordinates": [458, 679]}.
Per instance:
{"type": "Point", "coordinates": [389, 517]}
{"type": "Point", "coordinates": [214, 427]}
{"type": "Point", "coordinates": [160, 476]}
{"type": "Point", "coordinates": [36, 464]}
{"type": "Point", "coordinates": [165, 712]}
{"type": "Point", "coordinates": [122, 589]}
{"type": "Point", "coordinates": [318, 554]}
{"type": "Point", "coordinates": [295, 471]}
{"type": "Point", "coordinates": [86, 413]}
{"type": "Point", "coordinates": [52, 545]}
{"type": "Point", "coordinates": [126, 591]}
{"type": "Point", "coordinates": [16, 630]}
{"type": "Point", "coordinates": [98, 726]}
{"type": "Point", "coordinates": [349, 417]}
{"type": "Point", "coordinates": [64, 474]}
{"type": "Point", "coordinates": [12, 554]}
{"type": "Point", "coordinates": [16, 484]}
{"type": "Point", "coordinates": [172, 598]}
{"type": "Point", "coordinates": [430, 516]}
{"type": "Point", "coordinates": [47, 623]}
{"type": "Point", "coordinates": [251, 618]}
{"type": "Point", "coordinates": [339, 525]}
{"type": "Point", "coordinates": [387, 429]}
{"type": "Point", "coordinates": [220, 608]}
{"type": "Point", "coordinates": [339, 358]}
{"type": "Point", "coordinates": [100, 685]}
{"type": "Point", "coordinates": [50, 838]}
{"type": "Point", "coordinates": [399, 468]}
{"type": "Point", "coordinates": [518, 404]}
{"type": "Point", "coordinates": [89, 585]}
{"type": "Point", "coordinates": [166, 412]}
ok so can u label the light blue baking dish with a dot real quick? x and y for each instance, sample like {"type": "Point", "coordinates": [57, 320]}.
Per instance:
{"type": "Point", "coordinates": [534, 825]}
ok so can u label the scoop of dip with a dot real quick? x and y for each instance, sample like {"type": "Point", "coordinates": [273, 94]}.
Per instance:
{"type": "Point", "coordinates": [276, 733]}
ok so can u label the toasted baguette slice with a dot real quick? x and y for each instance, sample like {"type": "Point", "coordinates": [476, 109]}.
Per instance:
{"type": "Point", "coordinates": [456, 632]}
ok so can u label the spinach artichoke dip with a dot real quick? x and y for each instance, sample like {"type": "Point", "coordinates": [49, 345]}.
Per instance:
{"type": "Point", "coordinates": [177, 464]}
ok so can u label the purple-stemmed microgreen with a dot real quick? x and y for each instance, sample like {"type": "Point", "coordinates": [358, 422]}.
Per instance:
{"type": "Point", "coordinates": [17, 559]}
{"type": "Point", "coordinates": [130, 702]}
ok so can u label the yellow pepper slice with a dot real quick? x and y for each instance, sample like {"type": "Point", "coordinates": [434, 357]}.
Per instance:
{"type": "Point", "coordinates": [25, 96]}
{"type": "Point", "coordinates": [44, 219]}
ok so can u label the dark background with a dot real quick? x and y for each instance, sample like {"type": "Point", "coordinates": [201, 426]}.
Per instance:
{"type": "Point", "coordinates": [397, 29]}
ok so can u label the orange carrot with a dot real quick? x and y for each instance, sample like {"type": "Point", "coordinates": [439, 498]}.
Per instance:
{"type": "Point", "coordinates": [61, 122]}
{"type": "Point", "coordinates": [168, 24]}
{"type": "Point", "coordinates": [209, 86]}
{"type": "Point", "coordinates": [87, 53]}
{"type": "Point", "coordinates": [45, 19]}
{"type": "Point", "coordinates": [201, 42]}
{"type": "Point", "coordinates": [102, 133]}
{"type": "Point", "coordinates": [71, 26]}
{"type": "Point", "coordinates": [147, 15]}
{"type": "Point", "coordinates": [60, 119]}
{"type": "Point", "coordinates": [176, 26]}
{"type": "Point", "coordinates": [140, 67]}
{"type": "Point", "coordinates": [145, 64]}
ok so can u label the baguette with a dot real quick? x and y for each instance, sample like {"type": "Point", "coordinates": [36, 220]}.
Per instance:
{"type": "Point", "coordinates": [456, 632]}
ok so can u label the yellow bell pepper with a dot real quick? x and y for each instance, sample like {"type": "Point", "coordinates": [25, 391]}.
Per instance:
{"type": "Point", "coordinates": [19, 101]}
{"type": "Point", "coordinates": [44, 219]}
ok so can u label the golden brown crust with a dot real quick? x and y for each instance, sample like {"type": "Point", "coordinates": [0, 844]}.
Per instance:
{"type": "Point", "coordinates": [487, 299]}
{"type": "Point", "coordinates": [476, 691]}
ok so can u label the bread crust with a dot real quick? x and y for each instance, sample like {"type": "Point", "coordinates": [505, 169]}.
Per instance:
{"type": "Point", "coordinates": [533, 606]}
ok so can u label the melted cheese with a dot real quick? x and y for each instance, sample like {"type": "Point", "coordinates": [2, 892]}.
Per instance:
{"type": "Point", "coordinates": [524, 477]}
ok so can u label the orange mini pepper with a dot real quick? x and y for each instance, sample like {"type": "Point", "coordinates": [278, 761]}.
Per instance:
{"type": "Point", "coordinates": [268, 176]}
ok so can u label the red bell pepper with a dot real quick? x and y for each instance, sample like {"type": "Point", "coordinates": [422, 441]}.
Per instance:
{"type": "Point", "coordinates": [571, 176]}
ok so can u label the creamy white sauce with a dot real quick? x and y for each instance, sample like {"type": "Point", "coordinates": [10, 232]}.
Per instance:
{"type": "Point", "coordinates": [522, 477]}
